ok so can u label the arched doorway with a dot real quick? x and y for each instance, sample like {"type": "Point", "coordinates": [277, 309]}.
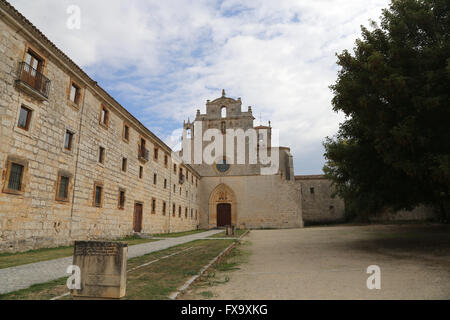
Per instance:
{"type": "Point", "coordinates": [223, 215]}
{"type": "Point", "coordinates": [222, 207]}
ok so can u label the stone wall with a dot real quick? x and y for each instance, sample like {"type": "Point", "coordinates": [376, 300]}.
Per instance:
{"type": "Point", "coordinates": [34, 218]}
{"type": "Point", "coordinates": [420, 213]}
{"type": "Point", "coordinates": [318, 205]}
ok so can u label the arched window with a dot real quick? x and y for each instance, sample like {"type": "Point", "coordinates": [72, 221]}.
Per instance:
{"type": "Point", "coordinates": [224, 112]}
{"type": "Point", "coordinates": [188, 133]}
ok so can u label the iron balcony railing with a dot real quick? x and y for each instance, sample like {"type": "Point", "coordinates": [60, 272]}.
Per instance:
{"type": "Point", "coordinates": [34, 79]}
{"type": "Point", "coordinates": [143, 153]}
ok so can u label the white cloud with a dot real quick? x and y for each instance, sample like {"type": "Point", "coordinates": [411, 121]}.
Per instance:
{"type": "Point", "coordinates": [169, 57]}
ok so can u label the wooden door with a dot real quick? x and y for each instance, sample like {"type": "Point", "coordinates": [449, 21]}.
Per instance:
{"type": "Point", "coordinates": [137, 221]}
{"type": "Point", "coordinates": [223, 214]}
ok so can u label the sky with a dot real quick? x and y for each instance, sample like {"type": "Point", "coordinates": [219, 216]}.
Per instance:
{"type": "Point", "coordinates": [163, 59]}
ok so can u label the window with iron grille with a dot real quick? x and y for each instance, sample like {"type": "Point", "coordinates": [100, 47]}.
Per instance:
{"type": "Point", "coordinates": [15, 177]}
{"type": "Point", "coordinates": [98, 195]}
{"type": "Point", "coordinates": [63, 188]}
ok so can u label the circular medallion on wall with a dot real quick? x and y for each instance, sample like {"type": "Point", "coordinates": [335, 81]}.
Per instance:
{"type": "Point", "coordinates": [222, 166]}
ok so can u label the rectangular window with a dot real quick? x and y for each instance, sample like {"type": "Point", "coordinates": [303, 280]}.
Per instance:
{"type": "Point", "coordinates": [104, 116]}
{"type": "Point", "coordinates": [75, 93]}
{"type": "Point", "coordinates": [34, 61]}
{"type": "Point", "coordinates": [164, 208]}
{"type": "Point", "coordinates": [98, 195]}
{"type": "Point", "coordinates": [179, 212]}
{"type": "Point", "coordinates": [24, 118]}
{"type": "Point", "coordinates": [101, 155]}
{"type": "Point", "coordinates": [173, 210]}
{"type": "Point", "coordinates": [155, 178]}
{"type": "Point", "coordinates": [155, 154]}
{"type": "Point", "coordinates": [141, 172]}
{"type": "Point", "coordinates": [121, 204]}
{"type": "Point", "coordinates": [166, 161]}
{"type": "Point", "coordinates": [186, 213]}
{"type": "Point", "coordinates": [124, 164]}
{"type": "Point", "coordinates": [165, 183]}
{"type": "Point", "coordinates": [143, 153]}
{"type": "Point", "coordinates": [153, 206]}
{"type": "Point", "coordinates": [126, 133]}
{"type": "Point", "coordinates": [174, 188]}
{"type": "Point", "coordinates": [63, 188]}
{"type": "Point", "coordinates": [15, 177]}
{"type": "Point", "coordinates": [68, 140]}
{"type": "Point", "coordinates": [175, 168]}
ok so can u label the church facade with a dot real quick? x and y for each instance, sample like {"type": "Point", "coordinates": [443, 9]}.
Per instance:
{"type": "Point", "coordinates": [250, 193]}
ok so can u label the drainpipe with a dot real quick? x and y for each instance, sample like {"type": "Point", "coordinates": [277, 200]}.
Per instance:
{"type": "Point", "coordinates": [170, 195]}
{"type": "Point", "coordinates": [76, 162]}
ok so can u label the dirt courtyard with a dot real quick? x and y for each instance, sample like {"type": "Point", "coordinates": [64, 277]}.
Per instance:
{"type": "Point", "coordinates": [332, 262]}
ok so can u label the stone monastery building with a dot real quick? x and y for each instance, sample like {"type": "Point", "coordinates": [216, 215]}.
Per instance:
{"type": "Point", "coordinates": [76, 165]}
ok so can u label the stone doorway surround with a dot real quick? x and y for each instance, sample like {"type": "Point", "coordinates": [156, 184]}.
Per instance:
{"type": "Point", "coordinates": [222, 194]}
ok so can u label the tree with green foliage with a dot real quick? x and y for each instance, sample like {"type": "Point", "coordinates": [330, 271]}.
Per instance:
{"type": "Point", "coordinates": [393, 149]}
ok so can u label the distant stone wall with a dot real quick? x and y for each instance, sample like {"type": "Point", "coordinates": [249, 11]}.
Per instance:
{"type": "Point", "coordinates": [318, 205]}
{"type": "Point", "coordinates": [420, 213]}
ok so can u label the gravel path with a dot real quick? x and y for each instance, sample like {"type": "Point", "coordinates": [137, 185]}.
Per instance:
{"type": "Point", "coordinates": [21, 277]}
{"type": "Point", "coordinates": [331, 263]}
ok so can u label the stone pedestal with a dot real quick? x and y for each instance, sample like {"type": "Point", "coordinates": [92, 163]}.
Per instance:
{"type": "Point", "coordinates": [230, 231]}
{"type": "Point", "coordinates": [103, 267]}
